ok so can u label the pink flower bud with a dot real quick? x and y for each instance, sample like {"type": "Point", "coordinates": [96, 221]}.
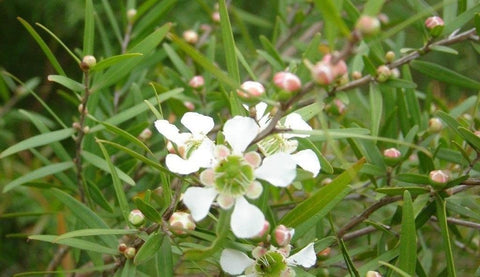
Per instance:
{"type": "Point", "coordinates": [392, 153]}
{"type": "Point", "coordinates": [197, 82]}
{"type": "Point", "coordinates": [180, 222]}
{"type": "Point", "coordinates": [368, 25]}
{"type": "Point", "coordinates": [477, 133]}
{"type": "Point", "coordinates": [283, 235]}
{"type": "Point", "coordinates": [190, 36]}
{"type": "Point", "coordinates": [145, 134]}
{"type": "Point", "coordinates": [251, 89]}
{"type": "Point", "coordinates": [136, 218]}
{"type": "Point", "coordinates": [287, 81]}
{"type": "Point", "coordinates": [322, 73]}
{"type": "Point", "coordinates": [435, 125]}
{"type": "Point", "coordinates": [216, 17]}
{"type": "Point", "coordinates": [439, 176]}
{"type": "Point", "coordinates": [383, 73]}
{"type": "Point", "coordinates": [434, 21]}
{"type": "Point", "coordinates": [189, 105]}
{"type": "Point", "coordinates": [372, 273]}
{"type": "Point", "coordinates": [339, 69]}
{"type": "Point", "coordinates": [258, 252]}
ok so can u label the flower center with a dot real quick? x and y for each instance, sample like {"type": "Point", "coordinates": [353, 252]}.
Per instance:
{"type": "Point", "coordinates": [233, 175]}
{"type": "Point", "coordinates": [277, 143]}
{"type": "Point", "coordinates": [190, 146]}
{"type": "Point", "coordinates": [271, 264]}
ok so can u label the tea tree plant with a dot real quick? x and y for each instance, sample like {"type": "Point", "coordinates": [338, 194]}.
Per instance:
{"type": "Point", "coordinates": [296, 138]}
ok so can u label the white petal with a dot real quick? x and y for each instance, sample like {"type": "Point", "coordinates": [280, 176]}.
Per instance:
{"type": "Point", "coordinates": [239, 132]}
{"type": "Point", "coordinates": [278, 169]}
{"type": "Point", "coordinates": [295, 121]}
{"type": "Point", "coordinates": [307, 160]}
{"type": "Point", "coordinates": [168, 130]}
{"type": "Point", "coordinates": [203, 155]}
{"type": "Point", "coordinates": [305, 257]}
{"type": "Point", "coordinates": [234, 262]}
{"type": "Point", "coordinates": [198, 201]}
{"type": "Point", "coordinates": [247, 220]}
{"type": "Point", "coordinates": [260, 109]}
{"type": "Point", "coordinates": [181, 166]}
{"type": "Point", "coordinates": [197, 123]}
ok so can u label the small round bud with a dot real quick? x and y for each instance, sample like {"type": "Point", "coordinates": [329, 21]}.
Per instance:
{"type": "Point", "coordinates": [251, 89]}
{"type": "Point", "coordinates": [339, 69]}
{"type": "Point", "coordinates": [435, 25]}
{"type": "Point", "coordinates": [383, 73]}
{"type": "Point", "coordinates": [88, 62]}
{"type": "Point", "coordinates": [356, 75]}
{"type": "Point", "coordinates": [322, 255]}
{"type": "Point", "coordinates": [287, 81]}
{"type": "Point", "coordinates": [395, 73]}
{"type": "Point", "coordinates": [326, 181]}
{"type": "Point", "coordinates": [196, 82]}
{"type": "Point", "coordinates": [189, 105]}
{"type": "Point", "coordinates": [372, 273]}
{"type": "Point", "coordinates": [145, 134]}
{"type": "Point", "coordinates": [390, 56]}
{"type": "Point", "coordinates": [368, 25]}
{"type": "Point", "coordinates": [86, 129]}
{"type": "Point", "coordinates": [392, 153]}
{"type": "Point", "coordinates": [80, 108]}
{"type": "Point", "coordinates": [216, 17]}
{"type": "Point", "coordinates": [131, 13]}
{"type": "Point", "coordinates": [130, 252]}
{"type": "Point", "coordinates": [384, 19]}
{"type": "Point", "coordinates": [181, 222]}
{"type": "Point", "coordinates": [439, 177]}
{"type": "Point", "coordinates": [435, 125]}
{"type": "Point", "coordinates": [190, 36]}
{"type": "Point", "coordinates": [283, 235]}
{"type": "Point", "coordinates": [122, 247]}
{"type": "Point", "coordinates": [477, 133]}
{"type": "Point", "coordinates": [322, 73]}
{"type": "Point", "coordinates": [136, 218]}
{"type": "Point", "coordinates": [76, 126]}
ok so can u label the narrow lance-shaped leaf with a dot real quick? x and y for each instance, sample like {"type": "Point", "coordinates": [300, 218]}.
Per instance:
{"type": "Point", "coordinates": [164, 259]}
{"type": "Point", "coordinates": [102, 164]}
{"type": "Point", "coordinates": [77, 243]}
{"type": "Point", "coordinates": [408, 237]}
{"type": "Point", "coordinates": [444, 74]}
{"type": "Point", "coordinates": [67, 82]}
{"type": "Point", "coordinates": [228, 42]}
{"type": "Point", "coordinates": [96, 232]}
{"type": "Point", "coordinates": [110, 61]}
{"type": "Point", "coordinates": [446, 238]}
{"type": "Point", "coordinates": [148, 210]}
{"type": "Point", "coordinates": [149, 248]}
{"type": "Point", "coordinates": [376, 109]}
{"type": "Point", "coordinates": [89, 31]}
{"type": "Point", "coordinates": [60, 42]}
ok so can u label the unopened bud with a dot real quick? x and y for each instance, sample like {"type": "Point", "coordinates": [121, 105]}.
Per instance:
{"type": "Point", "coordinates": [136, 218]}
{"type": "Point", "coordinates": [322, 73]}
{"type": "Point", "coordinates": [131, 13]}
{"type": "Point", "coordinates": [251, 89]}
{"type": "Point", "coordinates": [384, 19]}
{"type": "Point", "coordinates": [372, 273]}
{"type": "Point", "coordinates": [86, 129]}
{"type": "Point", "coordinates": [216, 17]}
{"type": "Point", "coordinates": [197, 82]}
{"type": "Point", "coordinates": [189, 105]}
{"type": "Point", "coordinates": [368, 25]}
{"type": "Point", "coordinates": [287, 81]}
{"type": "Point", "coordinates": [392, 153]}
{"type": "Point", "coordinates": [145, 134]}
{"type": "Point", "coordinates": [439, 176]}
{"type": "Point", "coordinates": [76, 126]}
{"type": "Point", "coordinates": [383, 73]}
{"type": "Point", "coordinates": [130, 252]}
{"type": "Point", "coordinates": [395, 73]}
{"type": "Point", "coordinates": [435, 25]}
{"type": "Point", "coordinates": [283, 235]}
{"type": "Point", "coordinates": [356, 75]}
{"type": "Point", "coordinates": [435, 125]}
{"type": "Point", "coordinates": [326, 181]}
{"type": "Point", "coordinates": [477, 133]}
{"type": "Point", "coordinates": [390, 56]}
{"type": "Point", "coordinates": [190, 36]}
{"type": "Point", "coordinates": [88, 62]}
{"type": "Point", "coordinates": [322, 255]}
{"type": "Point", "coordinates": [122, 247]}
{"type": "Point", "coordinates": [181, 222]}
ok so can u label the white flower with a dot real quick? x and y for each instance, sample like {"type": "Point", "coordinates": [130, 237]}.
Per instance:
{"type": "Point", "coordinates": [195, 149]}
{"type": "Point", "coordinates": [275, 261]}
{"type": "Point", "coordinates": [283, 142]}
{"type": "Point", "coordinates": [233, 177]}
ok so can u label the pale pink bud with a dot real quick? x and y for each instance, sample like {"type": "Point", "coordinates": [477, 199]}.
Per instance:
{"type": "Point", "coordinates": [434, 21]}
{"type": "Point", "coordinates": [288, 272]}
{"type": "Point", "coordinates": [340, 106]}
{"type": "Point", "coordinates": [145, 134]}
{"type": "Point", "coordinates": [392, 153]}
{"type": "Point", "coordinates": [324, 253]}
{"type": "Point", "coordinates": [136, 218]}
{"type": "Point", "coordinates": [368, 25]}
{"type": "Point", "coordinates": [181, 222]}
{"type": "Point", "coordinates": [477, 133]}
{"type": "Point", "coordinates": [356, 75]}
{"type": "Point", "coordinates": [130, 252]}
{"type": "Point", "coordinates": [216, 17]}
{"type": "Point", "coordinates": [189, 105]}
{"type": "Point", "coordinates": [287, 81]}
{"type": "Point", "coordinates": [435, 125]}
{"type": "Point", "coordinates": [383, 73]}
{"type": "Point", "coordinates": [88, 62]}
{"type": "Point", "coordinates": [340, 68]}
{"type": "Point", "coordinates": [439, 176]}
{"type": "Point", "coordinates": [372, 273]}
{"type": "Point", "coordinates": [251, 89]}
{"type": "Point", "coordinates": [322, 73]}
{"type": "Point", "coordinates": [283, 235]}
{"type": "Point", "coordinates": [207, 177]}
{"type": "Point", "coordinates": [190, 36]}
{"type": "Point", "coordinates": [196, 82]}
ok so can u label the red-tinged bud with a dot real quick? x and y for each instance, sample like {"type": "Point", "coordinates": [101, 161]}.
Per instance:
{"type": "Point", "coordinates": [383, 73]}
{"type": "Point", "coordinates": [322, 73]}
{"type": "Point", "coordinates": [251, 89]}
{"type": "Point", "coordinates": [439, 177]}
{"type": "Point", "coordinates": [216, 17]}
{"type": "Point", "coordinates": [287, 81]}
{"type": "Point", "coordinates": [189, 105]}
{"type": "Point", "coordinates": [197, 82]}
{"type": "Point", "coordinates": [266, 227]}
{"type": "Point", "coordinates": [435, 125]}
{"type": "Point", "coordinates": [340, 68]}
{"type": "Point", "coordinates": [372, 273]}
{"type": "Point", "coordinates": [130, 252]}
{"type": "Point", "coordinates": [190, 36]}
{"type": "Point", "coordinates": [122, 247]}
{"type": "Point", "coordinates": [283, 235]}
{"type": "Point", "coordinates": [181, 222]}
{"type": "Point", "coordinates": [88, 62]}
{"type": "Point", "coordinates": [136, 218]}
{"type": "Point", "coordinates": [145, 135]}
{"type": "Point", "coordinates": [477, 133]}
{"type": "Point", "coordinates": [322, 255]}
{"type": "Point", "coordinates": [435, 25]}
{"type": "Point", "coordinates": [392, 153]}
{"type": "Point", "coordinates": [368, 25]}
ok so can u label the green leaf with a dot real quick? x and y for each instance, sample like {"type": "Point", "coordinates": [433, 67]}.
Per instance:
{"type": "Point", "coordinates": [412, 178]}
{"type": "Point", "coordinates": [102, 164]}
{"type": "Point", "coordinates": [373, 7]}
{"type": "Point", "coordinates": [376, 109]}
{"type": "Point", "coordinates": [411, 100]}
{"type": "Point", "coordinates": [77, 243]}
{"type": "Point", "coordinates": [408, 237]}
{"type": "Point", "coordinates": [444, 49]}
{"type": "Point", "coordinates": [38, 174]}
{"type": "Point", "coordinates": [321, 202]}
{"type": "Point", "coordinates": [348, 260]}
{"type": "Point", "coordinates": [470, 137]}
{"type": "Point", "coordinates": [60, 42]}
{"type": "Point", "coordinates": [179, 64]}
{"type": "Point", "coordinates": [114, 129]}
{"type": "Point", "coordinates": [164, 260]}
{"type": "Point", "coordinates": [477, 23]}
{"type": "Point", "coordinates": [451, 122]}
{"type": "Point", "coordinates": [96, 232]}
{"type": "Point", "coordinates": [149, 248]}
{"type": "Point", "coordinates": [396, 269]}
{"type": "Point", "coordinates": [89, 31]}
{"type": "Point", "coordinates": [373, 264]}
{"type": "Point", "coordinates": [446, 239]}
{"type": "Point", "coordinates": [38, 140]}
{"type": "Point", "coordinates": [50, 56]}
{"type": "Point", "coordinates": [85, 215]}
{"type": "Point", "coordinates": [332, 17]}
{"type": "Point", "coordinates": [228, 42]}
{"type": "Point", "coordinates": [117, 185]}
{"type": "Point", "coordinates": [110, 61]}
{"type": "Point", "coordinates": [67, 82]}
{"type": "Point", "coordinates": [150, 212]}
{"type": "Point", "coordinates": [270, 48]}
{"type": "Point", "coordinates": [401, 190]}
{"type": "Point", "coordinates": [444, 74]}
{"type": "Point", "coordinates": [63, 271]}
{"type": "Point", "coordinates": [399, 83]}
{"type": "Point", "coordinates": [369, 66]}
